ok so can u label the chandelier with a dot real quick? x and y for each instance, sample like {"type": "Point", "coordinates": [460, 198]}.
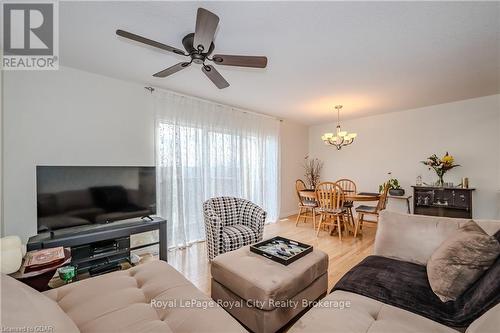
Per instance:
{"type": "Point", "coordinates": [340, 138]}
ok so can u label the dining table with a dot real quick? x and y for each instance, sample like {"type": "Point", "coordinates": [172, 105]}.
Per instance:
{"type": "Point", "coordinates": [350, 196]}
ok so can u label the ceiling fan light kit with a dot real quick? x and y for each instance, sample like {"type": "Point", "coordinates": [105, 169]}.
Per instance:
{"type": "Point", "coordinates": [199, 46]}
{"type": "Point", "coordinates": [340, 138]}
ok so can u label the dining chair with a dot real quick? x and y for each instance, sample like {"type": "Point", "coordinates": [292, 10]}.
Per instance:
{"type": "Point", "coordinates": [371, 210]}
{"type": "Point", "coordinates": [330, 197]}
{"type": "Point", "coordinates": [349, 187]}
{"type": "Point", "coordinates": [307, 207]}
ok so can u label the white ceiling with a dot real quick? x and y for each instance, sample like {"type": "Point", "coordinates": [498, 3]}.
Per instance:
{"type": "Point", "coordinates": [370, 57]}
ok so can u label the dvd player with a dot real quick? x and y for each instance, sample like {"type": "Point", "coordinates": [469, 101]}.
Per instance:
{"type": "Point", "coordinates": [102, 256]}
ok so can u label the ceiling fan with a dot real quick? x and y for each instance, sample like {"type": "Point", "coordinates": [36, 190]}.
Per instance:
{"type": "Point", "coordinates": [199, 46]}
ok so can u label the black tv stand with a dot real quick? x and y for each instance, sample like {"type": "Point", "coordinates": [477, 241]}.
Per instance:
{"type": "Point", "coordinates": [104, 268]}
{"type": "Point", "coordinates": [75, 237]}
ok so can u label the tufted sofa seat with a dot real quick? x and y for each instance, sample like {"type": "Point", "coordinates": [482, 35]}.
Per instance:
{"type": "Point", "coordinates": [343, 311]}
{"type": "Point", "coordinates": [151, 297]}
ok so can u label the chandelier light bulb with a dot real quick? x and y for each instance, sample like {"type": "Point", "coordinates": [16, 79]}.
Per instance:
{"type": "Point", "coordinates": [342, 138]}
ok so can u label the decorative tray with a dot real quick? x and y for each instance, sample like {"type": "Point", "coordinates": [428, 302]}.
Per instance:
{"type": "Point", "coordinates": [282, 250]}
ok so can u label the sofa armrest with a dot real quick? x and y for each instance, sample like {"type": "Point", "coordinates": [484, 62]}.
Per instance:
{"type": "Point", "coordinates": [412, 238]}
{"type": "Point", "coordinates": [253, 217]}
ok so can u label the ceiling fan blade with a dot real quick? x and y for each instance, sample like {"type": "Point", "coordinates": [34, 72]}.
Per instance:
{"type": "Point", "coordinates": [215, 76]}
{"type": "Point", "coordinates": [241, 61]}
{"type": "Point", "coordinates": [173, 69]}
{"type": "Point", "coordinates": [148, 41]}
{"type": "Point", "coordinates": [206, 24]}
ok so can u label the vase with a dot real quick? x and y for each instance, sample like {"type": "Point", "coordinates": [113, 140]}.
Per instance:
{"type": "Point", "coordinates": [440, 181]}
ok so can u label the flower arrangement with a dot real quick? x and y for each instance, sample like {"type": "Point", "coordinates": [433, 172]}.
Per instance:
{"type": "Point", "coordinates": [440, 165]}
{"type": "Point", "coordinates": [312, 168]}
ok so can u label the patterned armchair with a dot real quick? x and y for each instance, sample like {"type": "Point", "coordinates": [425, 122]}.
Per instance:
{"type": "Point", "coordinates": [231, 223]}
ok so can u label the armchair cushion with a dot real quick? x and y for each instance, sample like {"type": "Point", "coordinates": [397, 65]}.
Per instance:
{"type": "Point", "coordinates": [238, 234]}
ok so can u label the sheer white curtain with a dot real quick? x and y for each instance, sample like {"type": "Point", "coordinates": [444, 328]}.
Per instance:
{"type": "Point", "coordinates": [205, 150]}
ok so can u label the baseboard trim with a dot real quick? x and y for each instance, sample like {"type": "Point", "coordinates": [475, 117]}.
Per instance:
{"type": "Point", "coordinates": [289, 213]}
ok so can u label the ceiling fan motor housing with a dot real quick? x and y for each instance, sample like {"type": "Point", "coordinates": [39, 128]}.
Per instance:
{"type": "Point", "coordinates": [198, 57]}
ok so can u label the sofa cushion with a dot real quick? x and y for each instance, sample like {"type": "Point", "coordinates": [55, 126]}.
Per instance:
{"type": "Point", "coordinates": [342, 312]}
{"type": "Point", "coordinates": [148, 297]}
{"type": "Point", "coordinates": [23, 306]}
{"type": "Point", "coordinates": [414, 238]}
{"type": "Point", "coordinates": [489, 226]}
{"type": "Point", "coordinates": [461, 260]}
{"type": "Point", "coordinates": [396, 235]}
{"type": "Point", "coordinates": [405, 285]}
{"type": "Point", "coordinates": [487, 323]}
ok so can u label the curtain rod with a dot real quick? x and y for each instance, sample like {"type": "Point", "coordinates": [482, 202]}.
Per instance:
{"type": "Point", "coordinates": [152, 89]}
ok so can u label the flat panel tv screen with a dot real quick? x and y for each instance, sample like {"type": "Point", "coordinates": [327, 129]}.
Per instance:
{"type": "Point", "coordinates": [70, 196]}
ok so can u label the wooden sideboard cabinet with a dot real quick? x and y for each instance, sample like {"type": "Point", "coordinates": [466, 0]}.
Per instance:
{"type": "Point", "coordinates": [442, 201]}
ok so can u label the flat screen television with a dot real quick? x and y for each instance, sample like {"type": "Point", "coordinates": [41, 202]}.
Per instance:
{"type": "Point", "coordinates": [70, 196]}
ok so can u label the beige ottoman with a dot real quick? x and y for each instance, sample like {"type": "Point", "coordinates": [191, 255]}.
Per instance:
{"type": "Point", "coordinates": [265, 295]}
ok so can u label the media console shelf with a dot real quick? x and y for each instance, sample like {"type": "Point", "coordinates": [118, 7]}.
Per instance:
{"type": "Point", "coordinates": [113, 238]}
{"type": "Point", "coordinates": [442, 201]}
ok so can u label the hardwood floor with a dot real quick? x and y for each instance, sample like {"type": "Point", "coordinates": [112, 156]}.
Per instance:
{"type": "Point", "coordinates": [193, 264]}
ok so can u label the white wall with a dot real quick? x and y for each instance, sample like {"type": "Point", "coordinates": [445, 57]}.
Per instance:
{"type": "Point", "coordinates": [397, 142]}
{"type": "Point", "coordinates": [294, 147]}
{"type": "Point", "coordinates": [72, 117]}
{"type": "Point", "coordinates": [67, 117]}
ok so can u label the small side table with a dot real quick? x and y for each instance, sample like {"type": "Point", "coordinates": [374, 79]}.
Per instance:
{"type": "Point", "coordinates": [403, 197]}
{"type": "Point", "coordinates": [39, 279]}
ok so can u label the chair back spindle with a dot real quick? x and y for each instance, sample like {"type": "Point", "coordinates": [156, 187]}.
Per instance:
{"type": "Point", "coordinates": [347, 185]}
{"type": "Point", "coordinates": [330, 196]}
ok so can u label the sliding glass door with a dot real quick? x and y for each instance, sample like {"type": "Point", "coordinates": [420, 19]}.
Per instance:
{"type": "Point", "coordinates": [205, 151]}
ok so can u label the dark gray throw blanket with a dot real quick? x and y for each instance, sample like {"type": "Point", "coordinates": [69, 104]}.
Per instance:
{"type": "Point", "coordinates": [405, 285]}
